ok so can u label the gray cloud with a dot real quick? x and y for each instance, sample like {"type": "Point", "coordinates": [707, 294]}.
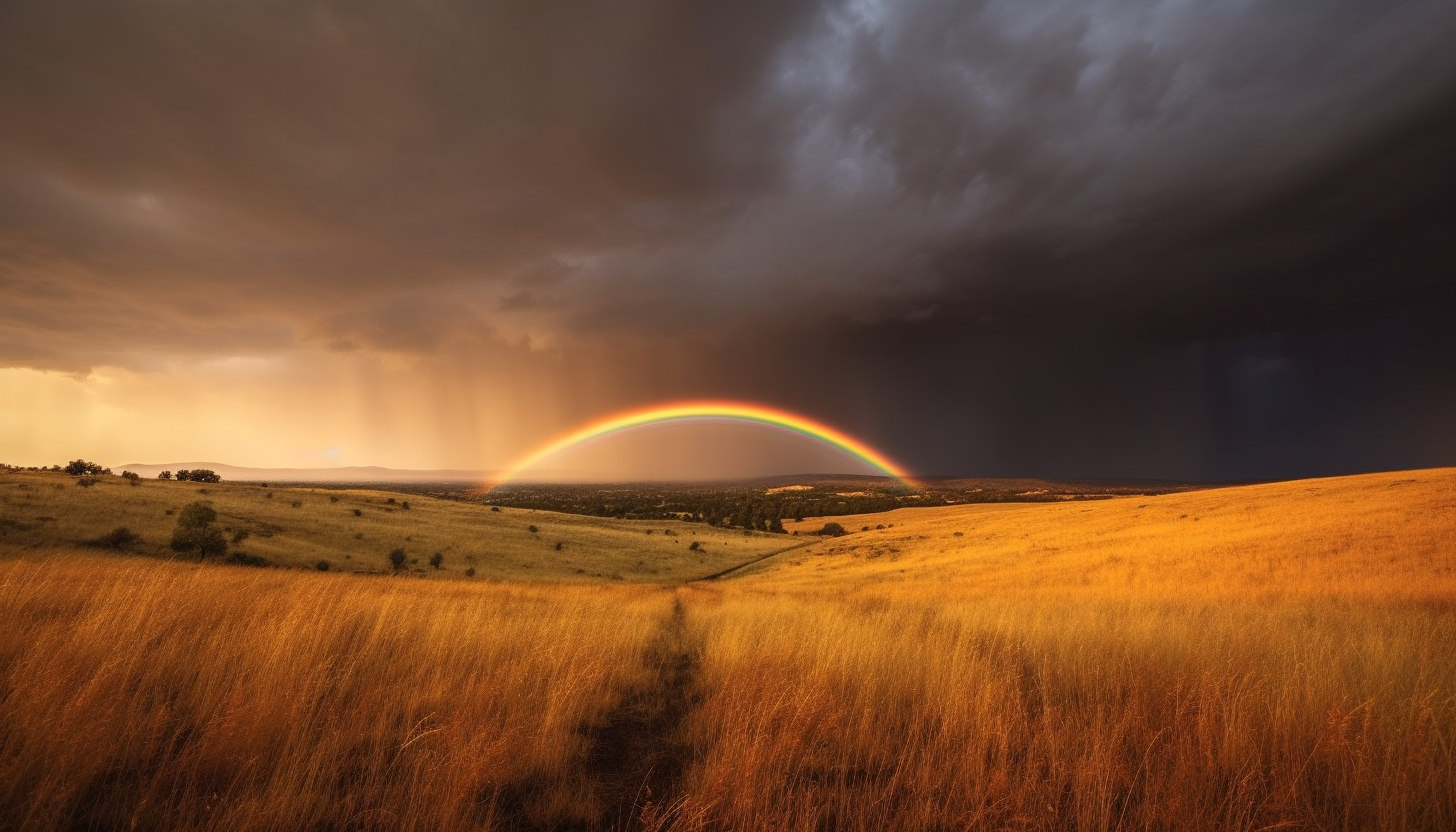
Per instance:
{"type": "Point", "coordinates": [708, 194]}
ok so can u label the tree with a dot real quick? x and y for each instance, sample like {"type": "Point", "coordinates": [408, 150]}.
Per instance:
{"type": "Point", "coordinates": [80, 467]}
{"type": "Point", "coordinates": [183, 475]}
{"type": "Point", "coordinates": [437, 559]}
{"type": "Point", "coordinates": [195, 531]}
{"type": "Point", "coordinates": [396, 559]}
{"type": "Point", "coordinates": [165, 475]}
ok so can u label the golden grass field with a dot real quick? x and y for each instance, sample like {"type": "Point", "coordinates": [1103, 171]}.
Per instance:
{"type": "Point", "coordinates": [44, 514]}
{"type": "Point", "coordinates": [1264, 657]}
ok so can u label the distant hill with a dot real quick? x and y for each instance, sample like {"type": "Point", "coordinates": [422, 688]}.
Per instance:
{"type": "Point", "coordinates": [348, 473]}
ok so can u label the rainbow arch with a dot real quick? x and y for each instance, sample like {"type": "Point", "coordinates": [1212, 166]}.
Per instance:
{"type": "Point", "coordinates": [736, 411]}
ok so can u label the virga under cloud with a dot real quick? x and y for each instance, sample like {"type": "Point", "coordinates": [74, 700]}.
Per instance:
{"type": "Point", "coordinates": [1172, 239]}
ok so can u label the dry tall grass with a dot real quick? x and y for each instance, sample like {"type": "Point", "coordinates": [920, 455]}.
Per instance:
{"type": "Point", "coordinates": [1272, 657]}
{"type": "Point", "coordinates": [150, 696]}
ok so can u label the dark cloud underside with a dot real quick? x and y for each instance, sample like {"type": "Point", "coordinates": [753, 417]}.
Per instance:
{"type": "Point", "coordinates": [1187, 240]}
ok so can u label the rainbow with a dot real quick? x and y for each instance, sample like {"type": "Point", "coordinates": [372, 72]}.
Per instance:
{"type": "Point", "coordinates": [736, 411]}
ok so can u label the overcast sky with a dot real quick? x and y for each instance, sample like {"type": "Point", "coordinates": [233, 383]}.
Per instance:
{"type": "Point", "coordinates": [1195, 240]}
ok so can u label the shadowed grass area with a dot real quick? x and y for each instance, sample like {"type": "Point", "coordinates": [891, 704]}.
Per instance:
{"type": "Point", "coordinates": [1265, 657]}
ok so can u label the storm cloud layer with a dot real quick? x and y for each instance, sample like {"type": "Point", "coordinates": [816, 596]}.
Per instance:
{"type": "Point", "coordinates": [1194, 240]}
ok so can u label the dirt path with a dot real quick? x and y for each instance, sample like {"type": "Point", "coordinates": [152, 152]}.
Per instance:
{"type": "Point", "coordinates": [635, 757]}
{"type": "Point", "coordinates": [730, 570]}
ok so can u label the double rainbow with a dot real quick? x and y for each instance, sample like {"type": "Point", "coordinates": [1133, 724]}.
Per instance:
{"type": "Point", "coordinates": [735, 411]}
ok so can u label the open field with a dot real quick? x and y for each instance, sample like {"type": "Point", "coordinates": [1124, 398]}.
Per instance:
{"type": "Point", "coordinates": [1263, 657]}
{"type": "Point", "coordinates": [43, 514]}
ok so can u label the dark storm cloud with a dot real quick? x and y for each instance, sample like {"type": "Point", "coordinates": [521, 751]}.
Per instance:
{"type": "Point", "coordinates": [299, 156]}
{"type": "Point", "coordinates": [1189, 217]}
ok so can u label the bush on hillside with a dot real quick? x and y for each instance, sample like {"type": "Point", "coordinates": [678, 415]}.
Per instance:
{"type": "Point", "coordinates": [833, 530]}
{"type": "Point", "coordinates": [118, 538]}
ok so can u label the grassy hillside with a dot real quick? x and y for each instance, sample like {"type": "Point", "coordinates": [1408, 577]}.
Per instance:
{"type": "Point", "coordinates": [1376, 535]}
{"type": "Point", "coordinates": [1269, 657]}
{"type": "Point", "coordinates": [45, 514]}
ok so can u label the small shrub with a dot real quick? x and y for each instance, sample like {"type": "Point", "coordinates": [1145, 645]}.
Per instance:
{"type": "Point", "coordinates": [389, 502]}
{"type": "Point", "coordinates": [322, 566]}
{"type": "Point", "coordinates": [437, 559]}
{"type": "Point", "coordinates": [333, 498]}
{"type": "Point", "coordinates": [404, 505]}
{"type": "Point", "coordinates": [245, 559]}
{"type": "Point", "coordinates": [532, 529]}
{"type": "Point", "coordinates": [558, 545]}
{"type": "Point", "coordinates": [695, 547]}
{"type": "Point", "coordinates": [86, 482]}
{"type": "Point", "coordinates": [833, 530]}
{"type": "Point", "coordinates": [470, 573]}
{"type": "Point", "coordinates": [239, 536]}
{"type": "Point", "coordinates": [118, 538]}
{"type": "Point", "coordinates": [397, 559]}
{"type": "Point", "coordinates": [358, 513]}
{"type": "Point", "coordinates": [495, 508]}
{"type": "Point", "coordinates": [867, 528]}
{"type": "Point", "coordinates": [269, 495]}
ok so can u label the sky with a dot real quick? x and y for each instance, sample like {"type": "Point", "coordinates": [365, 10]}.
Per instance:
{"type": "Point", "coordinates": [1187, 240]}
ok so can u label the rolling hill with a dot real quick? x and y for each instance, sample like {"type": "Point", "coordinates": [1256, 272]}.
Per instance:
{"type": "Point", "coordinates": [1261, 657]}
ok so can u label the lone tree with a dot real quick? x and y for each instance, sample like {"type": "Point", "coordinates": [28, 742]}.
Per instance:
{"type": "Point", "coordinates": [195, 531]}
{"type": "Point", "coordinates": [80, 467]}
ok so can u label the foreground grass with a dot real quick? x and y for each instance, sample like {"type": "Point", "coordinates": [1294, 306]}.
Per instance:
{"type": "Point", "coordinates": [1272, 657]}
{"type": "Point", "coordinates": [145, 695]}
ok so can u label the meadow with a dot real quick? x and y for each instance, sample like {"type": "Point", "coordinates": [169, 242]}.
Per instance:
{"type": "Point", "coordinates": [354, 530]}
{"type": "Point", "coordinates": [1262, 657]}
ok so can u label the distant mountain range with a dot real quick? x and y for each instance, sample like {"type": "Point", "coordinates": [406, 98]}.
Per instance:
{"type": "Point", "coordinates": [348, 473]}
